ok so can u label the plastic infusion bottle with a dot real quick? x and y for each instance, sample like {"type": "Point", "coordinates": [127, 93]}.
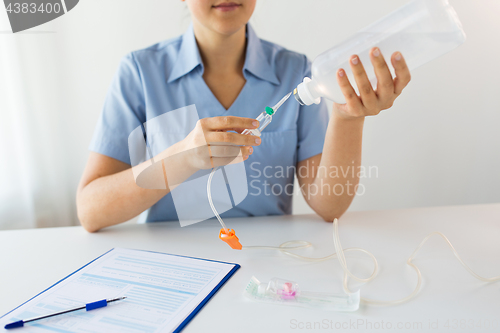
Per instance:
{"type": "Point", "coordinates": [264, 119]}
{"type": "Point", "coordinates": [422, 30]}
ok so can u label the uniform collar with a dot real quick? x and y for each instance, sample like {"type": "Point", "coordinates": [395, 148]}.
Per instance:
{"type": "Point", "coordinates": [188, 57]}
{"type": "Point", "coordinates": [257, 61]}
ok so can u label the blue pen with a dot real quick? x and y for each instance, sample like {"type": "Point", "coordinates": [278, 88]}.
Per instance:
{"type": "Point", "coordinates": [88, 307]}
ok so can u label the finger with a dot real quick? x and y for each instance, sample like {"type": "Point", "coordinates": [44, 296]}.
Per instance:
{"type": "Point", "coordinates": [230, 151]}
{"type": "Point", "coordinates": [368, 96]}
{"type": "Point", "coordinates": [222, 161]}
{"type": "Point", "coordinates": [403, 75]}
{"type": "Point", "coordinates": [225, 138]}
{"type": "Point", "coordinates": [240, 130]}
{"type": "Point", "coordinates": [242, 155]}
{"type": "Point", "coordinates": [205, 159]}
{"type": "Point", "coordinates": [224, 151]}
{"type": "Point", "coordinates": [247, 150]}
{"type": "Point", "coordinates": [385, 82]}
{"type": "Point", "coordinates": [228, 123]}
{"type": "Point", "coordinates": [350, 95]}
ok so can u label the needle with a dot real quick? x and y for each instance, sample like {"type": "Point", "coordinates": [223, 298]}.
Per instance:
{"type": "Point", "coordinates": [283, 100]}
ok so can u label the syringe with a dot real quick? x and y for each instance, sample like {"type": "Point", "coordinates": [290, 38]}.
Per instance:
{"type": "Point", "coordinates": [266, 117]}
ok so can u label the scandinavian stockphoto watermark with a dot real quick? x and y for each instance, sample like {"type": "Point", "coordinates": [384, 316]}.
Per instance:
{"type": "Point", "coordinates": [360, 324]}
{"type": "Point", "coordinates": [158, 158]}
{"type": "Point", "coordinates": [24, 15]}
{"type": "Point", "coordinates": [331, 180]}
{"type": "Point", "coordinates": [161, 159]}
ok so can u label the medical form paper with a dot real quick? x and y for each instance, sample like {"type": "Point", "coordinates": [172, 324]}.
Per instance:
{"type": "Point", "coordinates": [163, 293]}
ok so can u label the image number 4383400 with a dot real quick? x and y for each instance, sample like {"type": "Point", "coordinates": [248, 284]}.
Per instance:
{"type": "Point", "coordinates": [26, 14]}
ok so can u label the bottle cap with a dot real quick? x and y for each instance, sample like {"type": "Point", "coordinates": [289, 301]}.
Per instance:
{"type": "Point", "coordinates": [303, 95]}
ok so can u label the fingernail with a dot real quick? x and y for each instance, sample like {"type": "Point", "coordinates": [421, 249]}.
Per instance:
{"type": "Point", "coordinates": [341, 73]}
{"type": "Point", "coordinates": [355, 60]}
{"type": "Point", "coordinates": [257, 141]}
{"type": "Point", "coordinates": [398, 56]}
{"type": "Point", "coordinates": [376, 52]}
{"type": "Point", "coordinates": [245, 156]}
{"type": "Point", "coordinates": [255, 123]}
{"type": "Point", "coordinates": [250, 150]}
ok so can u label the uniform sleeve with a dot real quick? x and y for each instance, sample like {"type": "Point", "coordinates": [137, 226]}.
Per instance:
{"type": "Point", "coordinates": [123, 111]}
{"type": "Point", "coordinates": [312, 124]}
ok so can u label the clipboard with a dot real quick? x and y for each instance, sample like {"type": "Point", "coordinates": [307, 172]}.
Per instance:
{"type": "Point", "coordinates": [147, 278]}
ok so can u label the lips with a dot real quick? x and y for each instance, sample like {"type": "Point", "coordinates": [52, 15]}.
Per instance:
{"type": "Point", "coordinates": [226, 6]}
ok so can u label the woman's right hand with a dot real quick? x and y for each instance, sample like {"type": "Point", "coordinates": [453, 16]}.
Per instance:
{"type": "Point", "coordinates": [211, 144]}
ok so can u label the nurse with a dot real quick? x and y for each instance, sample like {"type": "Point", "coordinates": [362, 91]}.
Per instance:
{"type": "Point", "coordinates": [230, 75]}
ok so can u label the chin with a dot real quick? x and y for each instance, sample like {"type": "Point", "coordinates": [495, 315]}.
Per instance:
{"type": "Point", "coordinates": [232, 20]}
{"type": "Point", "coordinates": [227, 27]}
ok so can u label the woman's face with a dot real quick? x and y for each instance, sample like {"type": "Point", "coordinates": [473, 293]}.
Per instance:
{"type": "Point", "coordinates": [223, 16]}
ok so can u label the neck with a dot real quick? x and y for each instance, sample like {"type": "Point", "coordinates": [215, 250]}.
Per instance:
{"type": "Point", "coordinates": [221, 54]}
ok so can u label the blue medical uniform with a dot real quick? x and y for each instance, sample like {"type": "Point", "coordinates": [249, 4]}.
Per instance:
{"type": "Point", "coordinates": [168, 76]}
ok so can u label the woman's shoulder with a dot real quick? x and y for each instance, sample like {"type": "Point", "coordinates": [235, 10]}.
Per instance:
{"type": "Point", "coordinates": [280, 50]}
{"type": "Point", "coordinates": [160, 52]}
{"type": "Point", "coordinates": [168, 45]}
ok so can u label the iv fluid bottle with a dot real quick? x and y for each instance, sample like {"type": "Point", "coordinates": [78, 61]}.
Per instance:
{"type": "Point", "coordinates": [422, 30]}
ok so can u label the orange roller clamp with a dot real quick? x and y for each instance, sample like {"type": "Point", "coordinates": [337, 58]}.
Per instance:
{"type": "Point", "coordinates": [230, 238]}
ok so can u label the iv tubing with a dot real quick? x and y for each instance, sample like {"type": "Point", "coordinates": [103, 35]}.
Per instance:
{"type": "Point", "coordinates": [209, 194]}
{"type": "Point", "coordinates": [339, 254]}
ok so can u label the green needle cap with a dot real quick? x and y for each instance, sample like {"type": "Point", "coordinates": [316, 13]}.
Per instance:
{"type": "Point", "coordinates": [269, 111]}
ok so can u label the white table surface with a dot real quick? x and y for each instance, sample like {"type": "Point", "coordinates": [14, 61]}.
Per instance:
{"type": "Point", "coordinates": [450, 299]}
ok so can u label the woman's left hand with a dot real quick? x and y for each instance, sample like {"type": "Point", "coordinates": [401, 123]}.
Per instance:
{"type": "Point", "coordinates": [370, 102]}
